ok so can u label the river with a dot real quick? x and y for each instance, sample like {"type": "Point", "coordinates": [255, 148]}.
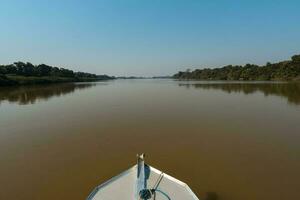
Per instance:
{"type": "Point", "coordinates": [240, 140]}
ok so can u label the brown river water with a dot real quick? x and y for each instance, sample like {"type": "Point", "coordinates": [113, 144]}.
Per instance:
{"type": "Point", "coordinates": [240, 140]}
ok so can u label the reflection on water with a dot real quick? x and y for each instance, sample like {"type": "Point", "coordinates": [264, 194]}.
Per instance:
{"type": "Point", "coordinates": [30, 94]}
{"type": "Point", "coordinates": [291, 91]}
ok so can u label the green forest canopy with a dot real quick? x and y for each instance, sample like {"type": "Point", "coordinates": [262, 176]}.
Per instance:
{"type": "Point", "coordinates": [286, 70]}
{"type": "Point", "coordinates": [20, 73]}
{"type": "Point", "coordinates": [28, 69]}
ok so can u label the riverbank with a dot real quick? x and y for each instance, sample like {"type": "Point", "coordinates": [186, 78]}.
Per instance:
{"type": "Point", "coordinates": [14, 80]}
{"type": "Point", "coordinates": [282, 71]}
{"type": "Point", "coordinates": [21, 73]}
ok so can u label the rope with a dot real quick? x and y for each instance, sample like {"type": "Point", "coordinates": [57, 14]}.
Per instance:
{"type": "Point", "coordinates": [146, 194]}
{"type": "Point", "coordinates": [158, 181]}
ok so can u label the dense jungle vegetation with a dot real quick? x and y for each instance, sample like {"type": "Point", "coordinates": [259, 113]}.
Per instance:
{"type": "Point", "coordinates": [285, 70]}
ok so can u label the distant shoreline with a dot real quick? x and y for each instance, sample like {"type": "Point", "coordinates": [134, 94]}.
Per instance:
{"type": "Point", "coordinates": [20, 73]}
{"type": "Point", "coordinates": [15, 80]}
{"type": "Point", "coordinates": [281, 71]}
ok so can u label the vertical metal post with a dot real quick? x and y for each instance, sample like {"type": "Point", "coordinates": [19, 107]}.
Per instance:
{"type": "Point", "coordinates": [141, 180]}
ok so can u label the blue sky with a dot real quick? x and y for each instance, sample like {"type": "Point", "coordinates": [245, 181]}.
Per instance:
{"type": "Point", "coordinates": [148, 37]}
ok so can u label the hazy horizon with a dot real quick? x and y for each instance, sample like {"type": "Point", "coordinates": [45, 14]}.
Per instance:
{"type": "Point", "coordinates": [148, 38]}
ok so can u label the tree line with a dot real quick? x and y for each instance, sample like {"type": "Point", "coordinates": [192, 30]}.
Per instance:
{"type": "Point", "coordinates": [20, 73]}
{"type": "Point", "coordinates": [28, 69]}
{"type": "Point", "coordinates": [285, 70]}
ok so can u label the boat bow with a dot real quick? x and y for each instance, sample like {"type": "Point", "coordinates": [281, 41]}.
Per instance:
{"type": "Point", "coordinates": [142, 182]}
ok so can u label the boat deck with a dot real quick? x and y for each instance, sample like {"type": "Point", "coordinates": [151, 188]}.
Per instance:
{"type": "Point", "coordinates": [126, 185]}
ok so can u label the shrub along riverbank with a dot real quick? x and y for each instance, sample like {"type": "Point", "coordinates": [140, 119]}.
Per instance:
{"type": "Point", "coordinates": [284, 71]}
{"type": "Point", "coordinates": [21, 73]}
